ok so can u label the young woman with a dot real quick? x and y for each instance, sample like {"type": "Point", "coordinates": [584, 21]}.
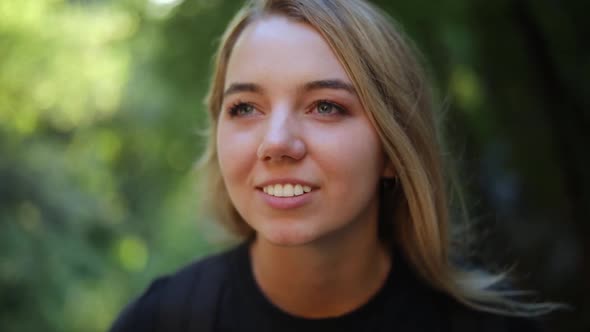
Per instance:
{"type": "Point", "coordinates": [323, 157]}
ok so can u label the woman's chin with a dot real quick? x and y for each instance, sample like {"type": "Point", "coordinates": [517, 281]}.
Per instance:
{"type": "Point", "coordinates": [287, 235]}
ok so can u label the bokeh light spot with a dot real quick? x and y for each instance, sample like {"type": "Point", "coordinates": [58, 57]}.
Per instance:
{"type": "Point", "coordinates": [466, 88]}
{"type": "Point", "coordinates": [132, 253]}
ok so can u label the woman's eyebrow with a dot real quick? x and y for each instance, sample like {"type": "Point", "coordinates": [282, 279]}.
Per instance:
{"type": "Point", "coordinates": [335, 84]}
{"type": "Point", "coordinates": [330, 84]}
{"type": "Point", "coordinates": [242, 87]}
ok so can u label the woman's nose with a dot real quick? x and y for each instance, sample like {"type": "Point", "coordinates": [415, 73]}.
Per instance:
{"type": "Point", "coordinates": [282, 138]}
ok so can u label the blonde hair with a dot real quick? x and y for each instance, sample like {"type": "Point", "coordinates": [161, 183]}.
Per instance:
{"type": "Point", "coordinates": [391, 86]}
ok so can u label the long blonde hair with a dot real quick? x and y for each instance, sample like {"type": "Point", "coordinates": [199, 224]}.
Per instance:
{"type": "Point", "coordinates": [389, 80]}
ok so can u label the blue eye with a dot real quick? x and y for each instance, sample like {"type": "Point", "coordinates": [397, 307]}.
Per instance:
{"type": "Point", "coordinates": [242, 109]}
{"type": "Point", "coordinates": [328, 108]}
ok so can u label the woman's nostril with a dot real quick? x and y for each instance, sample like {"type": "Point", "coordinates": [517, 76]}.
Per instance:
{"type": "Point", "coordinates": [288, 147]}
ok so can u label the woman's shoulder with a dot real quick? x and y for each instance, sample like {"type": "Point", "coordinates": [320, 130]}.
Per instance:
{"type": "Point", "coordinates": [456, 315]}
{"type": "Point", "coordinates": [165, 300]}
{"type": "Point", "coordinates": [139, 315]}
{"type": "Point", "coordinates": [463, 319]}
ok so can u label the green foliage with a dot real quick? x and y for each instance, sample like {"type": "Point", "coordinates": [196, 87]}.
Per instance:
{"type": "Point", "coordinates": [96, 156]}
{"type": "Point", "coordinates": [100, 113]}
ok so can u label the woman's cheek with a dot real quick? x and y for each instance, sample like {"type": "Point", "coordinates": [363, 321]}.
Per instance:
{"type": "Point", "coordinates": [237, 150]}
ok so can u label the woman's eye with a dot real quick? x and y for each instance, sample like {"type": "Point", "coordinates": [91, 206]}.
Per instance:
{"type": "Point", "coordinates": [328, 108]}
{"type": "Point", "coordinates": [242, 109]}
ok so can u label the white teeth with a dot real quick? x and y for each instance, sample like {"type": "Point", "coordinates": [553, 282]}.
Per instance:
{"type": "Point", "coordinates": [286, 190]}
{"type": "Point", "coordinates": [298, 190]}
{"type": "Point", "coordinates": [278, 190]}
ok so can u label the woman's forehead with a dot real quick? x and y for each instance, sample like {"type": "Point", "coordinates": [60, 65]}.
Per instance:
{"type": "Point", "coordinates": [278, 49]}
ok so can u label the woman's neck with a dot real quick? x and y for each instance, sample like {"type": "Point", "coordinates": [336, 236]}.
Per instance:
{"type": "Point", "coordinates": [323, 279]}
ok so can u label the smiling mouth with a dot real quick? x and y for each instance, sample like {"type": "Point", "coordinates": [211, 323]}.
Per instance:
{"type": "Point", "coordinates": [286, 190]}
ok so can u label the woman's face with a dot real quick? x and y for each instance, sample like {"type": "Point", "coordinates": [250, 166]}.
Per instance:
{"type": "Point", "coordinates": [300, 159]}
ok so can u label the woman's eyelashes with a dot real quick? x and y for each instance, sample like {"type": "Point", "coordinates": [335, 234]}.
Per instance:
{"type": "Point", "coordinates": [242, 109]}
{"type": "Point", "coordinates": [323, 108]}
{"type": "Point", "coordinates": [328, 108]}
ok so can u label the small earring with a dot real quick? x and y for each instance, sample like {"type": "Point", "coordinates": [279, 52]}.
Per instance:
{"type": "Point", "coordinates": [389, 183]}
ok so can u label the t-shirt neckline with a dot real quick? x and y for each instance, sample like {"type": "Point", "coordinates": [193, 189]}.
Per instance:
{"type": "Point", "coordinates": [361, 315]}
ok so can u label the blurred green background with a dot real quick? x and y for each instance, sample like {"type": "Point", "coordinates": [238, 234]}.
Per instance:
{"type": "Point", "coordinates": [101, 110]}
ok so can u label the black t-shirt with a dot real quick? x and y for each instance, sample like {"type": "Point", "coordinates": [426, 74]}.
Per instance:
{"type": "Point", "coordinates": [398, 306]}
{"type": "Point", "coordinates": [403, 303]}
